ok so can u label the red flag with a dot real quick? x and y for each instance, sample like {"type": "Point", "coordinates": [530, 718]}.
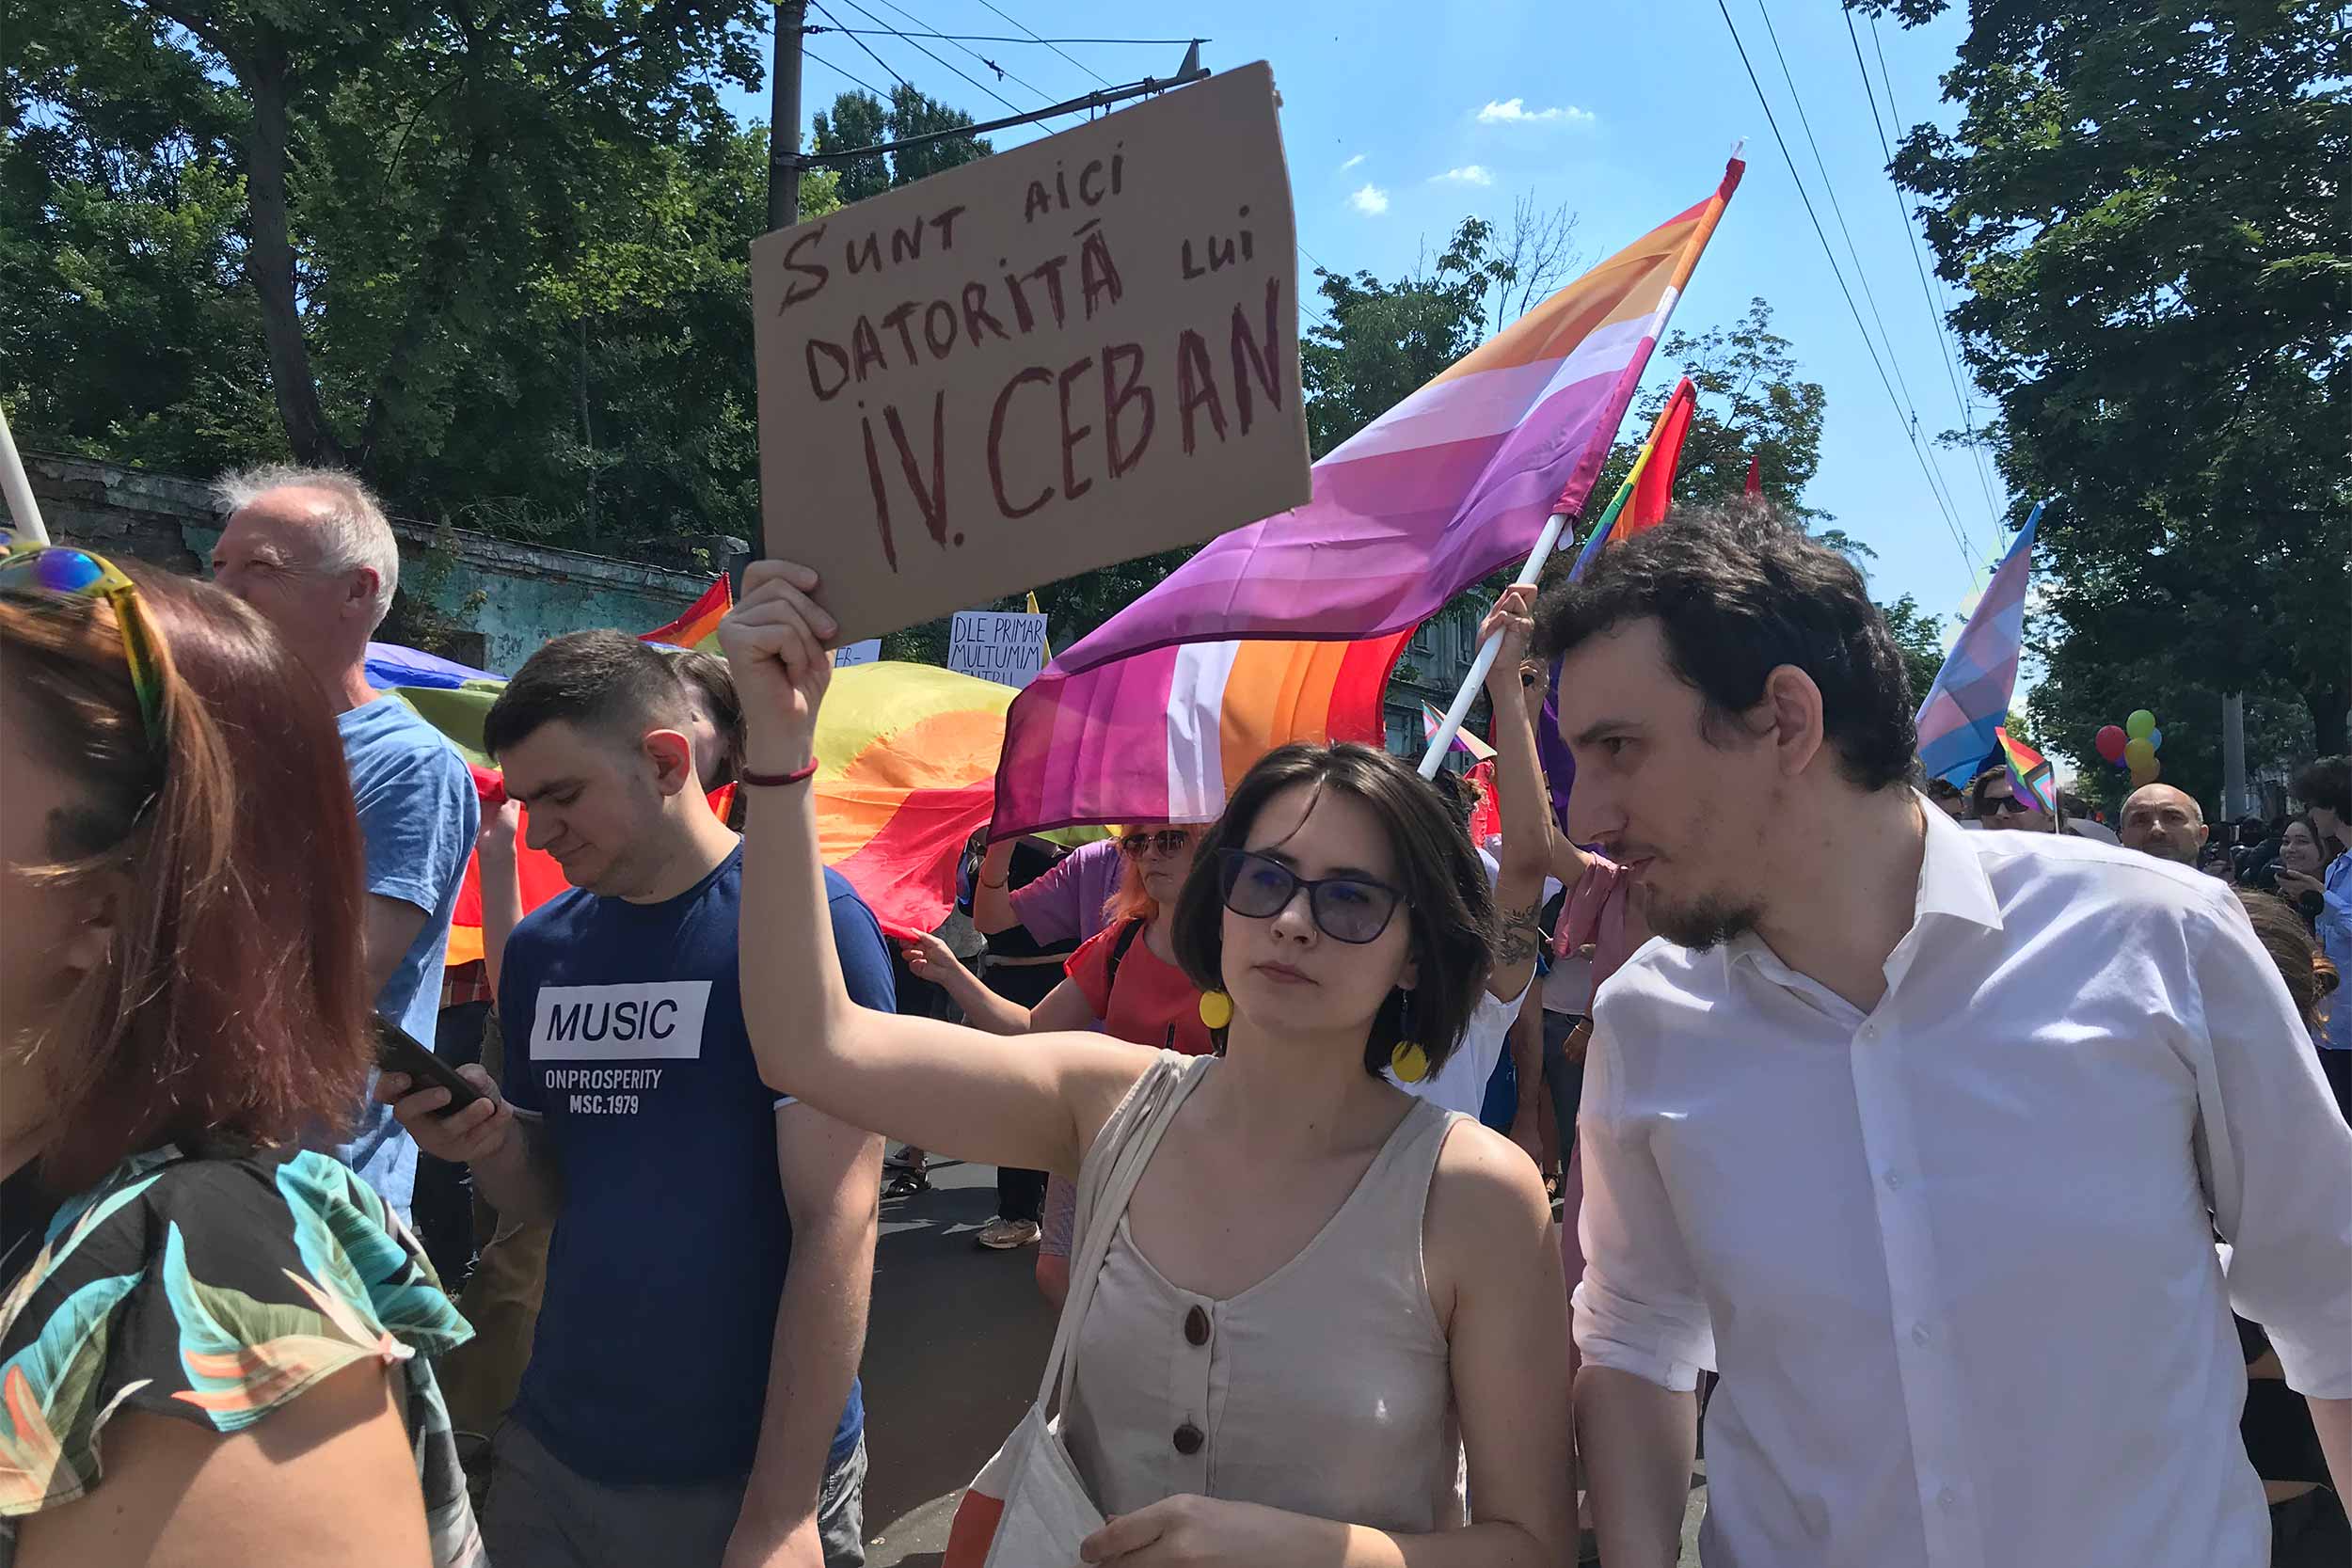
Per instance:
{"type": "Point", "coordinates": [1755, 476]}
{"type": "Point", "coordinates": [1654, 491]}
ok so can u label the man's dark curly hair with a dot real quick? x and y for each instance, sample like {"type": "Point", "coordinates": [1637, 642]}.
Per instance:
{"type": "Point", "coordinates": [1739, 591]}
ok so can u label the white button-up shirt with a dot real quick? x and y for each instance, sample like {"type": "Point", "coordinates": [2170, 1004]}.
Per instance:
{"type": "Point", "coordinates": [1958, 1252]}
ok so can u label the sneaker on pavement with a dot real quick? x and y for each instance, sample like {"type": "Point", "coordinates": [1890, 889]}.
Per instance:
{"type": "Point", "coordinates": [1003, 1235]}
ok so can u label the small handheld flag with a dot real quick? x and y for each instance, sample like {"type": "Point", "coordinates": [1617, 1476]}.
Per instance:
{"type": "Point", "coordinates": [2029, 774]}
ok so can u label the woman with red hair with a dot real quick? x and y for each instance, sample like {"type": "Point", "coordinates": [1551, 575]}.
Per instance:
{"type": "Point", "coordinates": [225, 1337]}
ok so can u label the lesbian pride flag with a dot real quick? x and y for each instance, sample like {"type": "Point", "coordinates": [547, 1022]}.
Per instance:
{"type": "Point", "coordinates": [1447, 488]}
{"type": "Point", "coordinates": [1162, 737]}
{"type": "Point", "coordinates": [1286, 629]}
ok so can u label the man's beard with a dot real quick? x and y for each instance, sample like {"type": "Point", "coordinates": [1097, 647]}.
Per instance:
{"type": "Point", "coordinates": [1707, 923]}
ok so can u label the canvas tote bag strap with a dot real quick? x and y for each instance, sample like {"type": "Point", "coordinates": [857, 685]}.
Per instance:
{"type": "Point", "coordinates": [1166, 1084]}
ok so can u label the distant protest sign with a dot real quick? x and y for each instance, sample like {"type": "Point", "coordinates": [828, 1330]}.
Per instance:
{"type": "Point", "coordinates": [866, 652]}
{"type": "Point", "coordinates": [1074, 353]}
{"type": "Point", "coordinates": [1004, 646]}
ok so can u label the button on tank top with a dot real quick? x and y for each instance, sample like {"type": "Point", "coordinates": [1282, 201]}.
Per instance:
{"type": "Point", "coordinates": [1324, 1389]}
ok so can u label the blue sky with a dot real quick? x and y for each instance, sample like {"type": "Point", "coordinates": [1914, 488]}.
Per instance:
{"type": "Point", "coordinates": [1399, 120]}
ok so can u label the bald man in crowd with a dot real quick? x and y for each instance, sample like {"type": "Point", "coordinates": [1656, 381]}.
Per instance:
{"type": "Point", "coordinates": [2165, 822]}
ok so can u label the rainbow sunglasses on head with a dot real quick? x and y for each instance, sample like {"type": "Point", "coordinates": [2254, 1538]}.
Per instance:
{"type": "Point", "coordinates": [30, 571]}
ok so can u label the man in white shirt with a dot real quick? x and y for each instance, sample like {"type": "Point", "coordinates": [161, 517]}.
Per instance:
{"type": "Point", "coordinates": [1930, 1133]}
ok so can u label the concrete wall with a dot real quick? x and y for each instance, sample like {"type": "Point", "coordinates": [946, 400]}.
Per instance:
{"type": "Point", "coordinates": [504, 599]}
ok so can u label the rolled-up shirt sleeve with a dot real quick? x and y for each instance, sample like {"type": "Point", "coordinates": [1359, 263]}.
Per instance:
{"type": "Point", "coordinates": [1638, 1308]}
{"type": "Point", "coordinates": [2276, 1156]}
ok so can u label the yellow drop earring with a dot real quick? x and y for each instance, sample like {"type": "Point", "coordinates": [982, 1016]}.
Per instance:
{"type": "Point", "coordinates": [1407, 1060]}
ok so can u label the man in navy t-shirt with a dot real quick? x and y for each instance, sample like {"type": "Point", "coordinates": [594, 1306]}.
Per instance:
{"type": "Point", "coordinates": [691, 1393]}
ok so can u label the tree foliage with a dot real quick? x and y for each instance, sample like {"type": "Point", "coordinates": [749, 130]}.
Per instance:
{"type": "Point", "coordinates": [859, 120]}
{"type": "Point", "coordinates": [1753, 404]}
{"type": "Point", "coordinates": [2147, 204]}
{"type": "Point", "coordinates": [494, 261]}
{"type": "Point", "coordinates": [1918, 639]}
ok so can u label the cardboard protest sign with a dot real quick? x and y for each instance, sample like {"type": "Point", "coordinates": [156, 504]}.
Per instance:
{"type": "Point", "coordinates": [1004, 646]}
{"type": "Point", "coordinates": [1080, 351]}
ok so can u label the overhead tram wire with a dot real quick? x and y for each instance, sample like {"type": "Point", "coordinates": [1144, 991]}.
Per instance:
{"type": "Point", "coordinates": [820, 59]}
{"type": "Point", "coordinates": [1910, 431]}
{"type": "Point", "coordinates": [869, 55]}
{"type": "Point", "coordinates": [1001, 72]}
{"type": "Point", "coordinates": [1918, 265]}
{"type": "Point", "coordinates": [1895, 118]}
{"type": "Point", "coordinates": [1862, 273]}
{"type": "Point", "coordinates": [1000, 38]}
{"type": "Point", "coordinates": [1830, 189]}
{"type": "Point", "coordinates": [919, 49]}
{"type": "Point", "coordinates": [1057, 47]}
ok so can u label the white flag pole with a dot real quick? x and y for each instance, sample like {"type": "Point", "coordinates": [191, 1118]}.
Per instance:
{"type": "Point", "coordinates": [1545, 542]}
{"type": "Point", "coordinates": [18, 489]}
{"type": "Point", "coordinates": [1487, 651]}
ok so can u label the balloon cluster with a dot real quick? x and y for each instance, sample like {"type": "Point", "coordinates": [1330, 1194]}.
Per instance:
{"type": "Point", "coordinates": [2133, 744]}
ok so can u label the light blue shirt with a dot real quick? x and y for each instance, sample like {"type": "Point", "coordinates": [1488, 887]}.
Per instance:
{"type": "Point", "coordinates": [2335, 939]}
{"type": "Point", "coordinates": [419, 813]}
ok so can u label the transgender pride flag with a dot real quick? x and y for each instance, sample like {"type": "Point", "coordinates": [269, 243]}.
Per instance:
{"type": "Point", "coordinates": [1960, 720]}
{"type": "Point", "coordinates": [1285, 629]}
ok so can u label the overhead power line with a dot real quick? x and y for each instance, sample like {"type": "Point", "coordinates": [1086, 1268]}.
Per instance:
{"type": "Point", "coordinates": [1961, 390]}
{"type": "Point", "coordinates": [887, 68]}
{"type": "Point", "coordinates": [1918, 265]}
{"type": "Point", "coordinates": [966, 76]}
{"type": "Point", "coordinates": [996, 37]}
{"type": "Point", "coordinates": [1911, 430]}
{"type": "Point", "coordinates": [861, 81]}
{"type": "Point", "coordinates": [1002, 75]}
{"type": "Point", "coordinates": [1057, 48]}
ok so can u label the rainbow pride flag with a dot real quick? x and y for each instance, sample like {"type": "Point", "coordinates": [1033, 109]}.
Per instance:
{"type": "Point", "coordinates": [905, 755]}
{"type": "Point", "coordinates": [2029, 773]}
{"type": "Point", "coordinates": [699, 627]}
{"type": "Point", "coordinates": [906, 759]}
{"type": "Point", "coordinates": [1164, 736]}
{"type": "Point", "coordinates": [1449, 486]}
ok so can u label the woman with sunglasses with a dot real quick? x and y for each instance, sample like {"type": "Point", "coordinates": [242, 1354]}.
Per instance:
{"type": "Point", "coordinates": [215, 1347]}
{"type": "Point", "coordinates": [1283, 1363]}
{"type": "Point", "coordinates": [1125, 977]}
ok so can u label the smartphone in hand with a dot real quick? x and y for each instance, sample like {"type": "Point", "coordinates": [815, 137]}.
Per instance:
{"type": "Point", "coordinates": [398, 1051]}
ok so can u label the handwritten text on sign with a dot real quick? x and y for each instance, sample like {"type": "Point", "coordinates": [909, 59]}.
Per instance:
{"type": "Point", "coordinates": [1004, 646]}
{"type": "Point", "coordinates": [1082, 350]}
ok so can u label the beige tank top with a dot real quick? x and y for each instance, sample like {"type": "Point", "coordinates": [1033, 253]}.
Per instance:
{"type": "Point", "coordinates": [1324, 1389]}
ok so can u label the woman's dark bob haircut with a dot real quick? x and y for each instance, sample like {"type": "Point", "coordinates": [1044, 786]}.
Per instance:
{"type": "Point", "coordinates": [1448, 904]}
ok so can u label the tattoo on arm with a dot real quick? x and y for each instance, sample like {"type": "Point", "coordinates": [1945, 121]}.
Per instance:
{"type": "Point", "coordinates": [1522, 935]}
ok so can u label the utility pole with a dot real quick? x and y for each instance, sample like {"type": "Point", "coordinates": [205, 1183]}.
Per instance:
{"type": "Point", "coordinates": [783, 117]}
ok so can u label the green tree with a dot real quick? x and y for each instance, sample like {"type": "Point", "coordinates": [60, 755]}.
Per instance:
{"type": "Point", "coordinates": [2146, 204]}
{"type": "Point", "coordinates": [859, 120]}
{"type": "Point", "coordinates": [518, 251]}
{"type": "Point", "coordinates": [1753, 405]}
{"type": "Point", "coordinates": [1383, 340]}
{"type": "Point", "coordinates": [1920, 641]}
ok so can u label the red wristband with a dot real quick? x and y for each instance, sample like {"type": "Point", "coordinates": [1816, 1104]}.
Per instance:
{"type": "Point", "coordinates": [777, 781]}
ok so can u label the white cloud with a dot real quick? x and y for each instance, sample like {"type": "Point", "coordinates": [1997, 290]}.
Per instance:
{"type": "Point", "coordinates": [1351, 163]}
{"type": "Point", "coordinates": [1469, 174]}
{"type": "Point", "coordinates": [1372, 202]}
{"type": "Point", "coordinates": [1513, 111]}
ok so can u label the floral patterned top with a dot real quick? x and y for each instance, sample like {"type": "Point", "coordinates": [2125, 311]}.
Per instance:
{"type": "Point", "coordinates": [215, 1290]}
